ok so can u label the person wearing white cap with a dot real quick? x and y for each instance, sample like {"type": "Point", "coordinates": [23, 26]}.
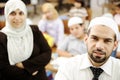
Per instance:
{"type": "Point", "coordinates": [24, 52]}
{"type": "Point", "coordinates": [101, 39]}
{"type": "Point", "coordinates": [73, 43]}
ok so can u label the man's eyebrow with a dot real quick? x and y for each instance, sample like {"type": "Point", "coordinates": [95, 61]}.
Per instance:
{"type": "Point", "coordinates": [104, 38]}
{"type": "Point", "coordinates": [110, 39]}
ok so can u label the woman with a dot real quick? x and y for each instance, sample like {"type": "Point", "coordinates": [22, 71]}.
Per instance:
{"type": "Point", "coordinates": [51, 24]}
{"type": "Point", "coordinates": [24, 52]}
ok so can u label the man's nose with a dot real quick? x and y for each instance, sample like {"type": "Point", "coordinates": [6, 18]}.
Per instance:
{"type": "Point", "coordinates": [100, 45]}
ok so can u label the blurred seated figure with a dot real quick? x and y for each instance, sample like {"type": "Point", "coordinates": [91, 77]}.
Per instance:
{"type": "Point", "coordinates": [73, 43]}
{"type": "Point", "coordinates": [51, 23]}
{"type": "Point", "coordinates": [118, 51]}
{"type": "Point", "coordinates": [117, 19]}
{"type": "Point", "coordinates": [78, 10]}
{"type": "Point", "coordinates": [117, 15]}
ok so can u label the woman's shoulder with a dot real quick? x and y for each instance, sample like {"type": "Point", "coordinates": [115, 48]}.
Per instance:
{"type": "Point", "coordinates": [3, 36]}
{"type": "Point", "coordinates": [34, 28]}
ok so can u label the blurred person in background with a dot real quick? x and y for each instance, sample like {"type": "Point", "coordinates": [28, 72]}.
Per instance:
{"type": "Point", "coordinates": [78, 10]}
{"type": "Point", "coordinates": [73, 44]}
{"type": "Point", "coordinates": [117, 20]}
{"type": "Point", "coordinates": [118, 51]}
{"type": "Point", "coordinates": [117, 15]}
{"type": "Point", "coordinates": [51, 24]}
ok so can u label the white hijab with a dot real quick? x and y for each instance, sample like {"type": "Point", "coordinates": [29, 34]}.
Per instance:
{"type": "Point", "coordinates": [20, 41]}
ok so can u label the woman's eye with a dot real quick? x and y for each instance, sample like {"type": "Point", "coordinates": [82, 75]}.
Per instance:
{"type": "Point", "coordinates": [21, 13]}
{"type": "Point", "coordinates": [13, 13]}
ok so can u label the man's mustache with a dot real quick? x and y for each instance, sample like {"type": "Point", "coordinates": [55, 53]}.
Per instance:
{"type": "Point", "coordinates": [99, 51]}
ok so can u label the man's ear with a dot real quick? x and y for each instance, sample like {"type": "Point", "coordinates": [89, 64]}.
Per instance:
{"type": "Point", "coordinates": [115, 45]}
{"type": "Point", "coordinates": [85, 38]}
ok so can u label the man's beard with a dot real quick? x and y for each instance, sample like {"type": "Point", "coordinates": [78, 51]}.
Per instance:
{"type": "Point", "coordinates": [98, 59]}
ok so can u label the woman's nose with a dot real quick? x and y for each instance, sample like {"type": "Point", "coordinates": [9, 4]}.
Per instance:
{"type": "Point", "coordinates": [17, 16]}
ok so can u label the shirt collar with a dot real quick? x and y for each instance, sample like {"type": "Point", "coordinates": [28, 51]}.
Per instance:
{"type": "Point", "coordinates": [107, 67]}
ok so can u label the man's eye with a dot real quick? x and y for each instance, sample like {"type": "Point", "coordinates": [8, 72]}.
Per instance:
{"type": "Point", "coordinates": [107, 40]}
{"type": "Point", "coordinates": [94, 38]}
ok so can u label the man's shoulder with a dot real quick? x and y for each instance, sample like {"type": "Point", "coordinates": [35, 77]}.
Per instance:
{"type": "Point", "coordinates": [115, 61]}
{"type": "Point", "coordinates": [76, 60]}
{"type": "Point", "coordinates": [73, 63]}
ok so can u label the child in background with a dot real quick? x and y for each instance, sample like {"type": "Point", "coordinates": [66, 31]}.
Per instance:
{"type": "Point", "coordinates": [73, 44]}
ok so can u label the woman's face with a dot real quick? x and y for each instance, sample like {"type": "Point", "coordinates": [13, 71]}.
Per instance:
{"type": "Point", "coordinates": [16, 18]}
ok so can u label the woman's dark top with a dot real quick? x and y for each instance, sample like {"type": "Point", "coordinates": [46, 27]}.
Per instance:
{"type": "Point", "coordinates": [40, 57]}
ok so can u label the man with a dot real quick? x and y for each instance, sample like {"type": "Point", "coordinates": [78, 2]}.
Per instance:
{"type": "Point", "coordinates": [102, 38]}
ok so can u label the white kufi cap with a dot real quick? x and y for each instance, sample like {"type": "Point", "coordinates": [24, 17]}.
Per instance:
{"type": "Point", "coordinates": [74, 20]}
{"type": "Point", "coordinates": [109, 22]}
